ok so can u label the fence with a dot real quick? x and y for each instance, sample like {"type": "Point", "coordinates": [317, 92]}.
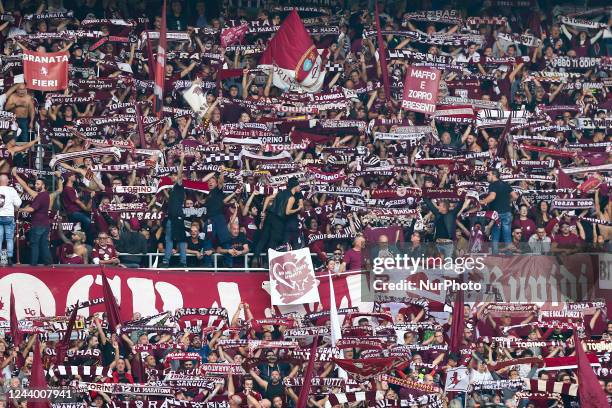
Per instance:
{"type": "Point", "coordinates": [155, 258]}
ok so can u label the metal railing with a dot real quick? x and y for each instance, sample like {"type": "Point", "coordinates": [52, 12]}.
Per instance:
{"type": "Point", "coordinates": [155, 258]}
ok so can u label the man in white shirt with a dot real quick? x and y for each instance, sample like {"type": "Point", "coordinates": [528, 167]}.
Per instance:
{"type": "Point", "coordinates": [540, 242]}
{"type": "Point", "coordinates": [9, 204]}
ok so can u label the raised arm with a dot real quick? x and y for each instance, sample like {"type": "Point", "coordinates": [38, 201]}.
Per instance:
{"type": "Point", "coordinates": [23, 184]}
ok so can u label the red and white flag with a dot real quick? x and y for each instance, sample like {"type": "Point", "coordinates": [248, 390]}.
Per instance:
{"type": "Point", "coordinates": [457, 380]}
{"type": "Point", "coordinates": [160, 66]}
{"type": "Point", "coordinates": [421, 89]}
{"type": "Point", "coordinates": [292, 277]}
{"type": "Point", "coordinates": [45, 71]}
{"type": "Point", "coordinates": [293, 58]}
{"type": "Point", "coordinates": [233, 35]}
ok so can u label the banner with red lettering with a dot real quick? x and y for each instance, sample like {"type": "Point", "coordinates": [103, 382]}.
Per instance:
{"type": "Point", "coordinates": [421, 89]}
{"type": "Point", "coordinates": [45, 291]}
{"type": "Point", "coordinates": [45, 71]}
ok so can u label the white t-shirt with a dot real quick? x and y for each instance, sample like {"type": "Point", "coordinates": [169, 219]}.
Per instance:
{"type": "Point", "coordinates": [9, 199]}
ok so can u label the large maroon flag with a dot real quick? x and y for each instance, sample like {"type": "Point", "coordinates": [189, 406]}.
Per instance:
{"type": "Point", "coordinates": [16, 334]}
{"type": "Point", "coordinates": [37, 379]}
{"type": "Point", "coordinates": [590, 393]}
{"type": "Point", "coordinates": [160, 67]}
{"type": "Point", "coordinates": [110, 303]}
{"type": "Point", "coordinates": [293, 58]}
{"type": "Point", "coordinates": [303, 399]}
{"type": "Point", "coordinates": [565, 181]}
{"type": "Point", "coordinates": [64, 343]}
{"type": "Point", "coordinates": [458, 324]}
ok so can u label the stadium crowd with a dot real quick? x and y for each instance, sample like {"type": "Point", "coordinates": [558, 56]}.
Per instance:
{"type": "Point", "coordinates": [515, 159]}
{"type": "Point", "coordinates": [464, 176]}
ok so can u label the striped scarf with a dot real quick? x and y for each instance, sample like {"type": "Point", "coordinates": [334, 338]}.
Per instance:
{"type": "Point", "coordinates": [63, 371]}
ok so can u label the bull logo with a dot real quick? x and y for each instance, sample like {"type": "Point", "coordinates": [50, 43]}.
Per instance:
{"type": "Point", "coordinates": [44, 71]}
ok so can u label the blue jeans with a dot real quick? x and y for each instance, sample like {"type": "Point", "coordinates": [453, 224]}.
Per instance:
{"type": "Point", "coordinates": [7, 231]}
{"type": "Point", "coordinates": [39, 245]}
{"type": "Point", "coordinates": [230, 261]}
{"type": "Point", "coordinates": [219, 229]}
{"type": "Point", "coordinates": [503, 228]}
{"type": "Point", "coordinates": [170, 244]}
{"type": "Point", "coordinates": [85, 221]}
{"type": "Point", "coordinates": [446, 249]}
{"type": "Point", "coordinates": [24, 125]}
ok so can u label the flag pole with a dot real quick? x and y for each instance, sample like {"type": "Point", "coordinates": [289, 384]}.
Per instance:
{"type": "Point", "coordinates": [336, 331]}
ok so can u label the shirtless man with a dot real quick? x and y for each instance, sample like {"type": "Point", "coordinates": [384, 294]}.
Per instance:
{"type": "Point", "coordinates": [22, 105]}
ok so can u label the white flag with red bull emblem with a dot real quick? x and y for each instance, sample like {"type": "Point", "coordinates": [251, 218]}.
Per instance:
{"type": "Point", "coordinates": [457, 379]}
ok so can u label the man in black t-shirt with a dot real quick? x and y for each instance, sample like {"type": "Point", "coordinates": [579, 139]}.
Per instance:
{"type": "Point", "coordinates": [215, 206]}
{"type": "Point", "coordinates": [498, 200]}
{"type": "Point", "coordinates": [273, 231]}
{"type": "Point", "coordinates": [175, 223]}
{"type": "Point", "coordinates": [235, 248]}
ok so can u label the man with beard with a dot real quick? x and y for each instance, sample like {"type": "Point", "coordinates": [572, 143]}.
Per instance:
{"type": "Point", "coordinates": [196, 346]}
{"type": "Point", "coordinates": [272, 388]}
{"type": "Point", "coordinates": [39, 208]}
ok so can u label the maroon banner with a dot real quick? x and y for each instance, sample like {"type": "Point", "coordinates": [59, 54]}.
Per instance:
{"type": "Point", "coordinates": [149, 292]}
{"type": "Point", "coordinates": [45, 71]}
{"type": "Point", "coordinates": [421, 89]}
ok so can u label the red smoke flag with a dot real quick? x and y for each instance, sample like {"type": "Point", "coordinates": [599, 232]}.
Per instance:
{"type": "Point", "coordinates": [16, 334]}
{"type": "Point", "coordinates": [382, 55]}
{"type": "Point", "coordinates": [160, 67]}
{"type": "Point", "coordinates": [37, 379]}
{"type": "Point", "coordinates": [458, 324]}
{"type": "Point", "coordinates": [293, 58]}
{"type": "Point", "coordinates": [45, 71]}
{"type": "Point", "coordinates": [110, 303]}
{"type": "Point", "coordinates": [421, 89]}
{"type": "Point", "coordinates": [590, 393]}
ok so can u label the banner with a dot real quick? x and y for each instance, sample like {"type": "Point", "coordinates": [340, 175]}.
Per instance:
{"type": "Point", "coordinates": [292, 277]}
{"type": "Point", "coordinates": [45, 71]}
{"type": "Point", "coordinates": [150, 292]}
{"type": "Point", "coordinates": [421, 89]}
{"type": "Point", "coordinates": [457, 380]}
{"type": "Point", "coordinates": [293, 58]}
